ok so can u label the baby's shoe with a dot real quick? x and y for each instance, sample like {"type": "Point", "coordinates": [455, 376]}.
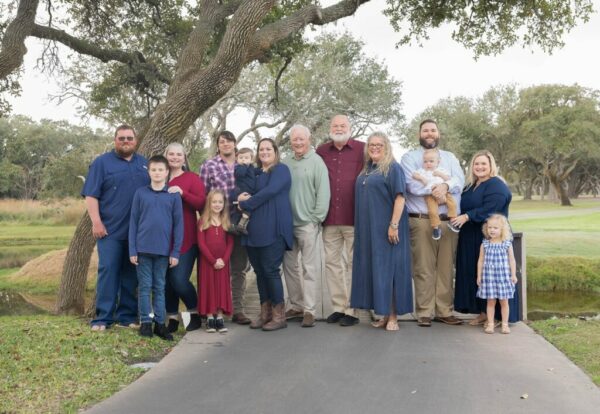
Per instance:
{"type": "Point", "coordinates": [436, 234]}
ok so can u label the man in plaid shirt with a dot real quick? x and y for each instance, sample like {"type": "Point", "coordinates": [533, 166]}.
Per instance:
{"type": "Point", "coordinates": [217, 172]}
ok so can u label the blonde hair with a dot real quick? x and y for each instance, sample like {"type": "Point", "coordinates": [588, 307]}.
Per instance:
{"type": "Point", "coordinates": [207, 213]}
{"type": "Point", "coordinates": [388, 157]}
{"type": "Point", "coordinates": [472, 179]}
{"type": "Point", "coordinates": [178, 146]}
{"type": "Point", "coordinates": [505, 234]}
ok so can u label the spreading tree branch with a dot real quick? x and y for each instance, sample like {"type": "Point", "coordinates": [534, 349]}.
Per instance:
{"type": "Point", "coordinates": [133, 58]}
{"type": "Point", "coordinates": [279, 30]}
{"type": "Point", "coordinates": [13, 44]}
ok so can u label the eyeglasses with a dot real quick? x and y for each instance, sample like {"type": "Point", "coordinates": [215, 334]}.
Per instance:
{"type": "Point", "coordinates": [377, 146]}
{"type": "Point", "coordinates": [127, 138]}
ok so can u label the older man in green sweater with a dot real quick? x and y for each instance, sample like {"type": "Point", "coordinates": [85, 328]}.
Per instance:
{"type": "Point", "coordinates": [309, 197]}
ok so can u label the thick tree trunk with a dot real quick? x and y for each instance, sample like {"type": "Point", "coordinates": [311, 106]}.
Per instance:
{"type": "Point", "coordinates": [71, 294]}
{"type": "Point", "coordinates": [561, 192]}
{"type": "Point", "coordinates": [528, 190]}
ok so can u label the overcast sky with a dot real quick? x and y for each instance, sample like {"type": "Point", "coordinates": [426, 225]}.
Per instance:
{"type": "Point", "coordinates": [439, 69]}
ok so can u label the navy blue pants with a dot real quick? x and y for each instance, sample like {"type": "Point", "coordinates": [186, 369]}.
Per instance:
{"type": "Point", "coordinates": [115, 288]}
{"type": "Point", "coordinates": [178, 283]}
{"type": "Point", "coordinates": [266, 262]}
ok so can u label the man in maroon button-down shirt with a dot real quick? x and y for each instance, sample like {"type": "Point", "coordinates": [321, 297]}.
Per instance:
{"type": "Point", "coordinates": [344, 158]}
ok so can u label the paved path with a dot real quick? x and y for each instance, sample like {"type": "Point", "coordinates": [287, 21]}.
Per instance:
{"type": "Point", "coordinates": [331, 369]}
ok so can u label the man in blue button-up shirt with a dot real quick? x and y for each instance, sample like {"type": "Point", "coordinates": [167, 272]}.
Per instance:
{"type": "Point", "coordinates": [433, 260]}
{"type": "Point", "coordinates": [109, 187]}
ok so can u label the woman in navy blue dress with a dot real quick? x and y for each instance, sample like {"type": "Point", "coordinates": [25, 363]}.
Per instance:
{"type": "Point", "coordinates": [381, 269]}
{"type": "Point", "coordinates": [485, 194]}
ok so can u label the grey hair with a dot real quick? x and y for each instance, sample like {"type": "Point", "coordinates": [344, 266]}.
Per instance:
{"type": "Point", "coordinates": [302, 128]}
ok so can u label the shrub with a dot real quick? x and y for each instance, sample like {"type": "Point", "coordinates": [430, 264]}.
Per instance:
{"type": "Point", "coordinates": [563, 273]}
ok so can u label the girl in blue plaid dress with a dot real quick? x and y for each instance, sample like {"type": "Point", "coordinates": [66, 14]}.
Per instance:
{"type": "Point", "coordinates": [496, 269]}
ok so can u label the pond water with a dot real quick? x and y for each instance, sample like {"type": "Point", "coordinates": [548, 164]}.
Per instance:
{"type": "Point", "coordinates": [544, 305]}
{"type": "Point", "coordinates": [12, 303]}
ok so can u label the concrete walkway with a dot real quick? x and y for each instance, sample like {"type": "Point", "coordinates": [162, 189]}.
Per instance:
{"type": "Point", "coordinates": [360, 369]}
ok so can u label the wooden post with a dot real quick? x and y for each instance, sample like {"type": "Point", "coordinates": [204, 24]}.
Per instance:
{"type": "Point", "coordinates": [520, 257]}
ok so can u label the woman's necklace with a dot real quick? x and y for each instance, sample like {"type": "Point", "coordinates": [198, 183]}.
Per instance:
{"type": "Point", "coordinates": [367, 173]}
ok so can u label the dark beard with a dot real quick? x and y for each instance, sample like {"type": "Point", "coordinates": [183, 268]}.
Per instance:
{"type": "Point", "coordinates": [125, 154]}
{"type": "Point", "coordinates": [428, 146]}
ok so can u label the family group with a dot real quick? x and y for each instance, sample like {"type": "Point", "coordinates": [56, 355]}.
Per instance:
{"type": "Point", "coordinates": [347, 225]}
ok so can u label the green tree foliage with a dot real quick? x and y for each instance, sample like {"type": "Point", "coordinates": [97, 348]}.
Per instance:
{"type": "Point", "coordinates": [44, 158]}
{"type": "Point", "coordinates": [331, 75]}
{"type": "Point", "coordinates": [542, 132]}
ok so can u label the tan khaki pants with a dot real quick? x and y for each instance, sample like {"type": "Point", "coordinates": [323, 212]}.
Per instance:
{"type": "Point", "coordinates": [338, 243]}
{"type": "Point", "coordinates": [433, 269]}
{"type": "Point", "coordinates": [432, 209]}
{"type": "Point", "coordinates": [303, 270]}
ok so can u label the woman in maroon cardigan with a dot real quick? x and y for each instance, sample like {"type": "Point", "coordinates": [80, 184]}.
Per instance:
{"type": "Point", "coordinates": [178, 285]}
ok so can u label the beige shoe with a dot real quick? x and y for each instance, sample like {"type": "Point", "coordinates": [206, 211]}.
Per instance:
{"type": "Point", "coordinates": [308, 321]}
{"type": "Point", "coordinates": [294, 314]}
{"type": "Point", "coordinates": [505, 329]}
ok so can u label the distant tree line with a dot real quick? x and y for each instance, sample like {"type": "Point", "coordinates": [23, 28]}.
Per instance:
{"type": "Point", "coordinates": [45, 159]}
{"type": "Point", "coordinates": [546, 138]}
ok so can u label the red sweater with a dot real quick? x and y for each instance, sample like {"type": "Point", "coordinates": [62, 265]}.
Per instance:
{"type": "Point", "coordinates": [193, 198]}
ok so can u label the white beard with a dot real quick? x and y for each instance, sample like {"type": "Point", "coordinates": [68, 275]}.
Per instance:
{"type": "Point", "coordinates": [339, 137]}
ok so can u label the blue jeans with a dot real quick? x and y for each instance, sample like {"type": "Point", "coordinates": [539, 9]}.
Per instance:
{"type": "Point", "coordinates": [115, 288]}
{"type": "Point", "coordinates": [179, 285]}
{"type": "Point", "coordinates": [266, 262]}
{"type": "Point", "coordinates": [151, 273]}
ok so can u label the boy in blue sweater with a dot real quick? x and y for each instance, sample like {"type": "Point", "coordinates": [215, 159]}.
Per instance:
{"type": "Point", "coordinates": [155, 237]}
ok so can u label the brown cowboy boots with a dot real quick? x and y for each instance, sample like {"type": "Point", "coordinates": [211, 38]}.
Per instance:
{"type": "Point", "coordinates": [278, 321]}
{"type": "Point", "coordinates": [265, 315]}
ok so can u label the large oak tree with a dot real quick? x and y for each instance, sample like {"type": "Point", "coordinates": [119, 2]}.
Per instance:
{"type": "Point", "coordinates": [183, 56]}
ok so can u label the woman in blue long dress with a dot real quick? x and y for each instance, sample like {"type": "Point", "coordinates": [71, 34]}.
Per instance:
{"type": "Point", "coordinates": [485, 194]}
{"type": "Point", "coordinates": [381, 270]}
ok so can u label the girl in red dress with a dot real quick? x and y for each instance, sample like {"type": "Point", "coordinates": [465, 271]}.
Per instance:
{"type": "Point", "coordinates": [214, 286]}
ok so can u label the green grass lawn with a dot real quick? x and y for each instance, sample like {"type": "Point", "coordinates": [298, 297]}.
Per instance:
{"type": "Point", "coordinates": [21, 242]}
{"type": "Point", "coordinates": [56, 364]}
{"type": "Point", "coordinates": [579, 340]}
{"type": "Point", "coordinates": [571, 232]}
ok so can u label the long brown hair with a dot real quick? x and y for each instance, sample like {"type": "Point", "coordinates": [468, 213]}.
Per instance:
{"type": "Point", "coordinates": [275, 149]}
{"type": "Point", "coordinates": [207, 212]}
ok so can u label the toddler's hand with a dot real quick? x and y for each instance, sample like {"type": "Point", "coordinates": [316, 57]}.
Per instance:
{"type": "Point", "coordinates": [133, 260]}
{"type": "Point", "coordinates": [514, 280]}
{"type": "Point", "coordinates": [478, 280]}
{"type": "Point", "coordinates": [173, 261]}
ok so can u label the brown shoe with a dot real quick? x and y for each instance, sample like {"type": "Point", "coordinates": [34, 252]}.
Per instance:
{"type": "Point", "coordinates": [293, 314]}
{"type": "Point", "coordinates": [424, 321]}
{"type": "Point", "coordinates": [449, 320]}
{"type": "Point", "coordinates": [308, 321]}
{"type": "Point", "coordinates": [278, 321]}
{"type": "Point", "coordinates": [265, 316]}
{"type": "Point", "coordinates": [240, 318]}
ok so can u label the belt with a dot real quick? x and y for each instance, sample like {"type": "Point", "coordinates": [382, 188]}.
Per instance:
{"type": "Point", "coordinates": [443, 217]}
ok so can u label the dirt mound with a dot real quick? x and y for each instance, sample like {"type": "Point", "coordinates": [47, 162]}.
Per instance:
{"type": "Point", "coordinates": [47, 268]}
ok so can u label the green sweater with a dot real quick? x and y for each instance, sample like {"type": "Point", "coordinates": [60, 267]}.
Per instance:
{"type": "Point", "coordinates": [309, 195]}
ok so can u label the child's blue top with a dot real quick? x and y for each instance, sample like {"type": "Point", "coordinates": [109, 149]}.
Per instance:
{"type": "Point", "coordinates": [113, 181]}
{"type": "Point", "coordinates": [156, 225]}
{"type": "Point", "coordinates": [245, 179]}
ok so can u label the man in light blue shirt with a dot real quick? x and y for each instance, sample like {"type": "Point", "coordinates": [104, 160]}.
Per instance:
{"type": "Point", "coordinates": [433, 260]}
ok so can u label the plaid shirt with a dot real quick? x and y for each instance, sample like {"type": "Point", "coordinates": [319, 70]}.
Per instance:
{"type": "Point", "coordinates": [217, 174]}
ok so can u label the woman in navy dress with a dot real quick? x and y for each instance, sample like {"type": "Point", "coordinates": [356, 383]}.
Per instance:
{"type": "Point", "coordinates": [270, 233]}
{"type": "Point", "coordinates": [381, 270]}
{"type": "Point", "coordinates": [485, 194]}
